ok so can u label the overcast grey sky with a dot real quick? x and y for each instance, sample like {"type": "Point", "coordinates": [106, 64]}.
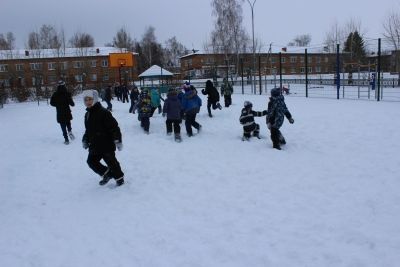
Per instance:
{"type": "Point", "coordinates": [189, 20]}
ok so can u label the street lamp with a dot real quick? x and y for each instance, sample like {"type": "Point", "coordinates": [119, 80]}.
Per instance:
{"type": "Point", "coordinates": [253, 83]}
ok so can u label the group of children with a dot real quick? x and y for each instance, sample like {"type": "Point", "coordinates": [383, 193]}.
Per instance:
{"type": "Point", "coordinates": [275, 113]}
{"type": "Point", "coordinates": [103, 136]}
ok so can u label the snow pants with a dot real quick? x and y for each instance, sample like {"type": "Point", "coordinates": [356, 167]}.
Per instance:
{"type": "Point", "coordinates": [191, 121]}
{"type": "Point", "coordinates": [111, 161]}
{"type": "Point", "coordinates": [64, 127]}
{"type": "Point", "coordinates": [175, 124]}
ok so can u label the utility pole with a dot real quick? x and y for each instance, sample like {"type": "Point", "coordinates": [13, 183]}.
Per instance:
{"type": "Point", "coordinates": [253, 82]}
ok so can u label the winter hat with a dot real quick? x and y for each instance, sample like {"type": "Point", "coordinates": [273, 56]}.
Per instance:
{"type": "Point", "coordinates": [61, 83]}
{"type": "Point", "coordinates": [91, 94]}
{"type": "Point", "coordinates": [248, 104]}
{"type": "Point", "coordinates": [276, 92]}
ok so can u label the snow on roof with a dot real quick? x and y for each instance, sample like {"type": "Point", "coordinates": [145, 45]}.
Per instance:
{"type": "Point", "coordinates": [275, 50]}
{"type": "Point", "coordinates": [57, 53]}
{"type": "Point", "coordinates": [155, 71]}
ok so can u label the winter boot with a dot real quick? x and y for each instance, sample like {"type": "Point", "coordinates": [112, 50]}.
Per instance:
{"type": "Point", "coordinates": [256, 134]}
{"type": "Point", "coordinates": [169, 133]}
{"type": "Point", "coordinates": [210, 115]}
{"type": "Point", "coordinates": [199, 129]}
{"type": "Point", "coordinates": [178, 138]}
{"type": "Point", "coordinates": [71, 135]}
{"type": "Point", "coordinates": [219, 106]}
{"type": "Point", "coordinates": [106, 177]}
{"type": "Point", "coordinates": [66, 142]}
{"type": "Point", "coordinates": [120, 181]}
{"type": "Point", "coordinates": [277, 146]}
{"type": "Point", "coordinates": [282, 140]}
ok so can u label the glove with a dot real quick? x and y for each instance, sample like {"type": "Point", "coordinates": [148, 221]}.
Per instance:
{"type": "Point", "coordinates": [291, 120]}
{"type": "Point", "coordinates": [85, 145]}
{"type": "Point", "coordinates": [269, 126]}
{"type": "Point", "coordinates": [265, 112]}
{"type": "Point", "coordinates": [118, 144]}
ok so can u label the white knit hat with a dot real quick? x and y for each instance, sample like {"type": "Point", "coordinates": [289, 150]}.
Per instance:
{"type": "Point", "coordinates": [91, 94]}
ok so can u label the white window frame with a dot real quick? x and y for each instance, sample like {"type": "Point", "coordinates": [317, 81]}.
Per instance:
{"type": "Point", "coordinates": [19, 67]}
{"type": "Point", "coordinates": [93, 77]}
{"type": "Point", "coordinates": [51, 66]}
{"type": "Point", "coordinates": [293, 59]}
{"type": "Point", "coordinates": [104, 63]}
{"type": "Point", "coordinates": [93, 63]}
{"type": "Point", "coordinates": [78, 64]}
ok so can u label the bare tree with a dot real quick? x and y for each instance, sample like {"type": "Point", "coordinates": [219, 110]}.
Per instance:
{"type": "Point", "coordinates": [173, 51]}
{"type": "Point", "coordinates": [83, 41]}
{"type": "Point", "coordinates": [7, 41]}
{"type": "Point", "coordinates": [228, 35]}
{"type": "Point", "coordinates": [391, 28]}
{"type": "Point", "coordinates": [334, 36]}
{"type": "Point", "coordinates": [123, 40]}
{"type": "Point", "coordinates": [301, 40]}
{"type": "Point", "coordinates": [152, 50]}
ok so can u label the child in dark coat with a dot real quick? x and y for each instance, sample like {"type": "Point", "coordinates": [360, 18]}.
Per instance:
{"type": "Point", "coordinates": [173, 110]}
{"type": "Point", "coordinates": [277, 111]}
{"type": "Point", "coordinates": [191, 103]}
{"type": "Point", "coordinates": [62, 99]}
{"type": "Point", "coordinates": [213, 97]}
{"type": "Point", "coordinates": [247, 120]}
{"type": "Point", "coordinates": [145, 110]}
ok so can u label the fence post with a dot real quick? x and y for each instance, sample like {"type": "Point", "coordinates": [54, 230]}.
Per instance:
{"type": "Point", "coordinates": [337, 70]}
{"type": "Point", "coordinates": [306, 63]}
{"type": "Point", "coordinates": [259, 73]}
{"type": "Point", "coordinates": [241, 67]}
{"type": "Point", "coordinates": [379, 69]}
{"type": "Point", "coordinates": [280, 70]}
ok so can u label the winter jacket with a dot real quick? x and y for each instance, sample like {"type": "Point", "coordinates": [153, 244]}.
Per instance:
{"type": "Point", "coordinates": [155, 98]}
{"type": "Point", "coordinates": [124, 90]}
{"type": "Point", "coordinates": [173, 107]}
{"type": "Point", "coordinates": [276, 111]}
{"type": "Point", "coordinates": [226, 89]}
{"type": "Point", "coordinates": [101, 130]}
{"type": "Point", "coordinates": [108, 94]}
{"type": "Point", "coordinates": [211, 91]}
{"type": "Point", "coordinates": [61, 99]}
{"type": "Point", "coordinates": [134, 95]}
{"type": "Point", "coordinates": [144, 106]}
{"type": "Point", "coordinates": [191, 102]}
{"type": "Point", "coordinates": [247, 118]}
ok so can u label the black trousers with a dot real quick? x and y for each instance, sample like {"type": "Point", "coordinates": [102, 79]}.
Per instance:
{"type": "Point", "coordinates": [132, 109]}
{"type": "Point", "coordinates": [109, 105]}
{"type": "Point", "coordinates": [228, 100]}
{"type": "Point", "coordinates": [64, 127]}
{"type": "Point", "coordinates": [211, 104]}
{"type": "Point", "coordinates": [125, 98]}
{"type": "Point", "coordinates": [145, 123]}
{"type": "Point", "coordinates": [175, 124]}
{"type": "Point", "coordinates": [255, 130]}
{"type": "Point", "coordinates": [111, 161]}
{"type": "Point", "coordinates": [277, 137]}
{"type": "Point", "coordinates": [191, 121]}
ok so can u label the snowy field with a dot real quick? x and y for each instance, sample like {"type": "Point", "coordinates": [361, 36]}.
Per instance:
{"type": "Point", "coordinates": [331, 197]}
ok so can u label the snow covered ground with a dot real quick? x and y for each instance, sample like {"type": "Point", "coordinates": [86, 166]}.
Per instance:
{"type": "Point", "coordinates": [330, 198]}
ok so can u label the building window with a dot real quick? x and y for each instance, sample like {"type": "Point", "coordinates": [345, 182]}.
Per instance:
{"type": "Point", "coordinates": [302, 70]}
{"type": "Point", "coordinates": [273, 60]}
{"type": "Point", "coordinates": [309, 59]}
{"type": "Point", "coordinates": [104, 63]}
{"type": "Point", "coordinates": [326, 59]}
{"type": "Point", "coordinates": [318, 69]}
{"type": "Point", "coordinates": [93, 77]}
{"type": "Point", "coordinates": [36, 66]}
{"type": "Point", "coordinates": [293, 59]}
{"type": "Point", "coordinates": [19, 67]}
{"type": "Point", "coordinates": [52, 79]}
{"type": "Point", "coordinates": [3, 68]}
{"type": "Point", "coordinates": [318, 60]}
{"type": "Point", "coordinates": [93, 63]}
{"type": "Point", "coordinates": [51, 66]}
{"type": "Point", "coordinates": [64, 65]}
{"type": "Point", "coordinates": [78, 78]}
{"type": "Point", "coordinates": [274, 71]}
{"type": "Point", "coordinates": [293, 70]}
{"type": "Point", "coordinates": [302, 59]}
{"type": "Point", "coordinates": [78, 64]}
{"type": "Point", "coordinates": [283, 71]}
{"type": "Point", "coordinates": [283, 60]}
{"type": "Point", "coordinates": [309, 69]}
{"type": "Point", "coordinates": [106, 77]}
{"type": "Point", "coordinates": [39, 80]}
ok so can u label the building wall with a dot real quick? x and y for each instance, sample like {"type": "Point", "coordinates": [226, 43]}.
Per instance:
{"type": "Point", "coordinates": [93, 71]}
{"type": "Point", "coordinates": [201, 64]}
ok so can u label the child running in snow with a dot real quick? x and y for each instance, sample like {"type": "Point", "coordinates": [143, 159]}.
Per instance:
{"type": "Point", "coordinates": [145, 110]}
{"type": "Point", "coordinates": [247, 120]}
{"type": "Point", "coordinates": [277, 110]}
{"type": "Point", "coordinates": [173, 110]}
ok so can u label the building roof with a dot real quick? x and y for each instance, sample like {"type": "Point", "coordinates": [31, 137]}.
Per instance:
{"type": "Point", "coordinates": [155, 71]}
{"type": "Point", "coordinates": [59, 53]}
{"type": "Point", "coordinates": [275, 50]}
